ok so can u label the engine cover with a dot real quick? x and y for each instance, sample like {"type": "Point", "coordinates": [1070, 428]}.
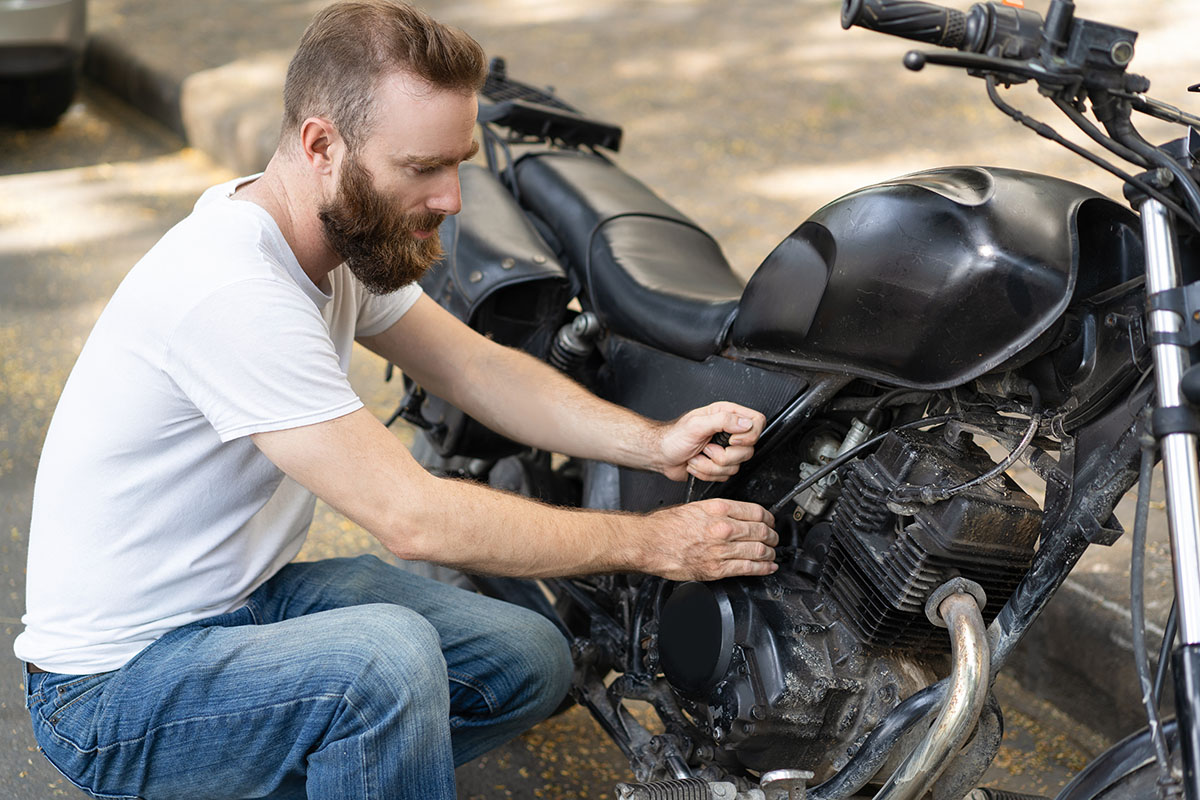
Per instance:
{"type": "Point", "coordinates": [785, 672]}
{"type": "Point", "coordinates": [883, 566]}
{"type": "Point", "coordinates": [773, 682]}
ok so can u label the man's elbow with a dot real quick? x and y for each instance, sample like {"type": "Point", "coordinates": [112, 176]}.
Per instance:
{"type": "Point", "coordinates": [411, 527]}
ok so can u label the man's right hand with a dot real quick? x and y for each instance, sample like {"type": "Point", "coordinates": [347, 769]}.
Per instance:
{"type": "Point", "coordinates": [709, 540]}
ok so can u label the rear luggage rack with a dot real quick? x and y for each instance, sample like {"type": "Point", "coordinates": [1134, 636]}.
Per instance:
{"type": "Point", "coordinates": [536, 113]}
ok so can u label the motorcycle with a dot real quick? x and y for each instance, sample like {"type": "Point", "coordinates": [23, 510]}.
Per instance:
{"type": "Point", "coordinates": [912, 343]}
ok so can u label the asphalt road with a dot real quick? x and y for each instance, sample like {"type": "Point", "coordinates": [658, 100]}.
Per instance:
{"type": "Point", "coordinates": [79, 204]}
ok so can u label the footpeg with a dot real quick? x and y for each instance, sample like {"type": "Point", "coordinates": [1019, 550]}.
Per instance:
{"type": "Point", "coordinates": [780, 784]}
{"type": "Point", "coordinates": [685, 789]}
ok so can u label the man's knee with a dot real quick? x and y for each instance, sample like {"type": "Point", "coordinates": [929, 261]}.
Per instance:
{"type": "Point", "coordinates": [544, 657]}
{"type": "Point", "coordinates": [383, 646]}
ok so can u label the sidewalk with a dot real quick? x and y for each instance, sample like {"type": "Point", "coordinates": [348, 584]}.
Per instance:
{"type": "Point", "coordinates": [765, 114]}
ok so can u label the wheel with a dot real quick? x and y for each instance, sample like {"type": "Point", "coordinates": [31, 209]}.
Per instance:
{"type": "Point", "coordinates": [1126, 771]}
{"type": "Point", "coordinates": [37, 101]}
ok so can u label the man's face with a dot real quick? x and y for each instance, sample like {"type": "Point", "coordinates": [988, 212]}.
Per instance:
{"type": "Point", "coordinates": [395, 190]}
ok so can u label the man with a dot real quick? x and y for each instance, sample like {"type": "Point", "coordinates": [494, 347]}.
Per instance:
{"type": "Point", "coordinates": [172, 648]}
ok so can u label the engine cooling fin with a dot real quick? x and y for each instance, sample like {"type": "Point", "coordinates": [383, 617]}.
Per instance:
{"type": "Point", "coordinates": [882, 566]}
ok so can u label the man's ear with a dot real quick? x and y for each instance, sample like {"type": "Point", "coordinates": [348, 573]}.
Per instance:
{"type": "Point", "coordinates": [320, 144]}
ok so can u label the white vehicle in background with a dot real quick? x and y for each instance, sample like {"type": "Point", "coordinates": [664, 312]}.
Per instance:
{"type": "Point", "coordinates": [41, 52]}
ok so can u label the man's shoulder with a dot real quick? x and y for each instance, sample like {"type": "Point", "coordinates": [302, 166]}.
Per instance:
{"type": "Point", "coordinates": [218, 243]}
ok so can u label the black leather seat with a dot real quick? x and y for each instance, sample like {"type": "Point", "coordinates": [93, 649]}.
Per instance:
{"type": "Point", "coordinates": [652, 274]}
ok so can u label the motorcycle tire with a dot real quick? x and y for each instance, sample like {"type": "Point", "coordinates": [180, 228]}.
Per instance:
{"type": "Point", "coordinates": [37, 101]}
{"type": "Point", "coordinates": [1126, 771]}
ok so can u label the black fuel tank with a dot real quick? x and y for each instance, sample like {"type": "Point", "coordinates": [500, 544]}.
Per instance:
{"type": "Point", "coordinates": [928, 280]}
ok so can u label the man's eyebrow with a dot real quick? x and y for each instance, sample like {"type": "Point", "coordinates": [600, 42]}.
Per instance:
{"type": "Point", "coordinates": [436, 161]}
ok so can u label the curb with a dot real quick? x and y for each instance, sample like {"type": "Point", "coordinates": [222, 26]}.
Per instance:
{"type": "Point", "coordinates": [1078, 657]}
{"type": "Point", "coordinates": [231, 113]}
{"type": "Point", "coordinates": [107, 63]}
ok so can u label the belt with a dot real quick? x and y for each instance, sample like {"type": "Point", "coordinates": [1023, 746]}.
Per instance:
{"type": "Point", "coordinates": [35, 670]}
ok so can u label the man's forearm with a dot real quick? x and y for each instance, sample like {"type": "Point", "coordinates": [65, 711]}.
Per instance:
{"type": "Point", "coordinates": [478, 529]}
{"type": "Point", "coordinates": [531, 402]}
{"type": "Point", "coordinates": [358, 467]}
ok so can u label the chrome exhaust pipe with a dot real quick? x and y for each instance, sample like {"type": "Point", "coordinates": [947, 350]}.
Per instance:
{"type": "Point", "coordinates": [958, 606]}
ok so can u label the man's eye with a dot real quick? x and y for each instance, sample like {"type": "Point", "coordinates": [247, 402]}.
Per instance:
{"type": "Point", "coordinates": [419, 169]}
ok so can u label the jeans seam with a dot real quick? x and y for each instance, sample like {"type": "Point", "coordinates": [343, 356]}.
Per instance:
{"type": "Point", "coordinates": [62, 688]}
{"type": "Point", "coordinates": [81, 787]}
{"type": "Point", "coordinates": [362, 751]}
{"type": "Point", "coordinates": [137, 739]}
{"type": "Point", "coordinates": [489, 697]}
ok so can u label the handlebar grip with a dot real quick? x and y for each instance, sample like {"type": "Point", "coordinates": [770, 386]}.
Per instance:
{"type": "Point", "coordinates": [909, 19]}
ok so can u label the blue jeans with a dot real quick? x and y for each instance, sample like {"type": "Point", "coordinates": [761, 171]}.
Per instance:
{"type": "Point", "coordinates": [338, 679]}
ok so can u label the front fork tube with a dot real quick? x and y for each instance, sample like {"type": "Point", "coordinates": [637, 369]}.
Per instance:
{"type": "Point", "coordinates": [1182, 477]}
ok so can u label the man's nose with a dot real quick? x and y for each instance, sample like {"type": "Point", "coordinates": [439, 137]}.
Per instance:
{"type": "Point", "coordinates": [448, 197]}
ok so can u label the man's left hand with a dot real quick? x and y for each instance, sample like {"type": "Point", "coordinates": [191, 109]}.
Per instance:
{"type": "Point", "coordinates": [687, 449]}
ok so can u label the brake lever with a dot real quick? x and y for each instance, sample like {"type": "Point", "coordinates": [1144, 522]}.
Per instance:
{"type": "Point", "coordinates": [1007, 69]}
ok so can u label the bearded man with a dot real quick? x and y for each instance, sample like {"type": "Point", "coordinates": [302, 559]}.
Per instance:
{"type": "Point", "coordinates": [172, 648]}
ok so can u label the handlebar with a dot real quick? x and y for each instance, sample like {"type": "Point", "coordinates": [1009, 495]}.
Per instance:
{"type": "Point", "coordinates": [986, 28]}
{"type": "Point", "coordinates": [1072, 60]}
{"type": "Point", "coordinates": [909, 19]}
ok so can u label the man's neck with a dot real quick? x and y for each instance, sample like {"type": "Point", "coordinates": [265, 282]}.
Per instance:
{"type": "Point", "coordinates": [294, 207]}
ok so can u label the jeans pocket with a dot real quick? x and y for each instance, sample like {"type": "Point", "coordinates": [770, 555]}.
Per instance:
{"type": "Point", "coordinates": [68, 705]}
{"type": "Point", "coordinates": [65, 722]}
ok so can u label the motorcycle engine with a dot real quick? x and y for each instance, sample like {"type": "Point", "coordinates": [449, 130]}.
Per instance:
{"type": "Point", "coordinates": [796, 669]}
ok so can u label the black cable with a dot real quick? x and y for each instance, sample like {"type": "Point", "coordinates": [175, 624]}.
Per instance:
{"type": "Point", "coordinates": [929, 494]}
{"type": "Point", "coordinates": [1046, 132]}
{"type": "Point", "coordinates": [852, 453]}
{"type": "Point", "coordinates": [1123, 131]}
{"type": "Point", "coordinates": [1164, 652]}
{"type": "Point", "coordinates": [1137, 609]}
{"type": "Point", "coordinates": [1087, 126]}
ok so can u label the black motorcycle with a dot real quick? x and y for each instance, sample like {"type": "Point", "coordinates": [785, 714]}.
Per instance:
{"type": "Point", "coordinates": [910, 343]}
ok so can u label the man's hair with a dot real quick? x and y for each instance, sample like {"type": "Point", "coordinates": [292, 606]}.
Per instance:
{"type": "Point", "coordinates": [349, 46]}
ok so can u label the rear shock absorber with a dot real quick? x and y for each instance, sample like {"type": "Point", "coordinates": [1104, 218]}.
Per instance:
{"type": "Point", "coordinates": [574, 342]}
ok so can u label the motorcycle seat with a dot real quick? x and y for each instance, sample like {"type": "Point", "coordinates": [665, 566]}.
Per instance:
{"type": "Point", "coordinates": [651, 273]}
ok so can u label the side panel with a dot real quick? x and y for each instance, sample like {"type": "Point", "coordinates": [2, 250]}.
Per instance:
{"type": "Point", "coordinates": [663, 386]}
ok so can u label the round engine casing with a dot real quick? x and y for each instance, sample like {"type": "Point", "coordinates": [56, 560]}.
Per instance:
{"type": "Point", "coordinates": [773, 682]}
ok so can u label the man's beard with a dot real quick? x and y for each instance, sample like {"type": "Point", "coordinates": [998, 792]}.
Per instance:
{"type": "Point", "coordinates": [375, 240]}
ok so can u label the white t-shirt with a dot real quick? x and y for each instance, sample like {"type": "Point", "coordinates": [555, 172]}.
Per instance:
{"type": "Point", "coordinates": [152, 508]}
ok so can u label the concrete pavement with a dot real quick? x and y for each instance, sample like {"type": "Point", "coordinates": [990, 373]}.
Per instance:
{"type": "Point", "coordinates": [747, 117]}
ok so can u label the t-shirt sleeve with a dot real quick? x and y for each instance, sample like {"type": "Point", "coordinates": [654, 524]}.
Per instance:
{"type": "Point", "coordinates": [377, 313]}
{"type": "Point", "coordinates": [256, 356]}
